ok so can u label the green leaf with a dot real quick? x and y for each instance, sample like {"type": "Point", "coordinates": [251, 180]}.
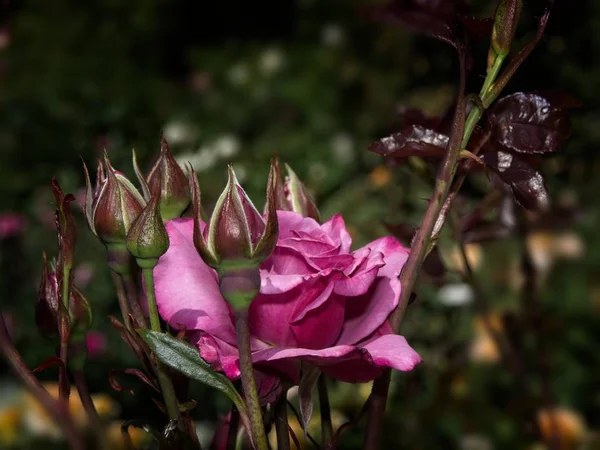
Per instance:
{"type": "Point", "coordinates": [186, 359]}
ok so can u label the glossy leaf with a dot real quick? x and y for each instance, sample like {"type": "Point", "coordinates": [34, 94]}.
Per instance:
{"type": "Point", "coordinates": [184, 358]}
{"type": "Point", "coordinates": [529, 123]}
{"type": "Point", "coordinates": [414, 140]}
{"type": "Point", "coordinates": [526, 184]}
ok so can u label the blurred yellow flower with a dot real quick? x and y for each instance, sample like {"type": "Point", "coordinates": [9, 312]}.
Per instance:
{"type": "Point", "coordinates": [454, 259]}
{"type": "Point", "coordinates": [37, 421]}
{"type": "Point", "coordinates": [483, 347]}
{"type": "Point", "coordinates": [566, 424]}
{"type": "Point", "coordinates": [380, 176]}
{"type": "Point", "coordinates": [139, 438]}
{"type": "Point", "coordinates": [10, 424]}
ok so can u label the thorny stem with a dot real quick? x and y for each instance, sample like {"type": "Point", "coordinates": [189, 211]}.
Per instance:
{"type": "Point", "coordinates": [54, 408]}
{"type": "Point", "coordinates": [122, 297]}
{"type": "Point", "coordinates": [422, 242]}
{"type": "Point", "coordinates": [248, 383]}
{"type": "Point", "coordinates": [90, 408]}
{"type": "Point", "coordinates": [281, 423]}
{"type": "Point", "coordinates": [134, 299]}
{"type": "Point", "coordinates": [166, 385]}
{"type": "Point", "coordinates": [63, 379]}
{"type": "Point", "coordinates": [324, 406]}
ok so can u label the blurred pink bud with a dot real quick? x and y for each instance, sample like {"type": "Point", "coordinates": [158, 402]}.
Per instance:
{"type": "Point", "coordinates": [11, 224]}
{"type": "Point", "coordinates": [95, 343]}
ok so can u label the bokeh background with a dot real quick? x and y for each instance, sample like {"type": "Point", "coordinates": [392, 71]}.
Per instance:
{"type": "Point", "coordinates": [315, 83]}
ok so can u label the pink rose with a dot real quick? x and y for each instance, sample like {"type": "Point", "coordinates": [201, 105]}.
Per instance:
{"type": "Point", "coordinates": [318, 302]}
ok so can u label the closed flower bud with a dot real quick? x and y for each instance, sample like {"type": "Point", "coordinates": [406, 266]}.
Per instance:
{"type": "Point", "coordinates": [51, 316]}
{"type": "Point", "coordinates": [47, 303]}
{"type": "Point", "coordinates": [506, 20]}
{"type": "Point", "coordinates": [237, 238]}
{"type": "Point", "coordinates": [172, 181]}
{"type": "Point", "coordinates": [147, 239]}
{"type": "Point", "coordinates": [296, 196]}
{"type": "Point", "coordinates": [112, 208]}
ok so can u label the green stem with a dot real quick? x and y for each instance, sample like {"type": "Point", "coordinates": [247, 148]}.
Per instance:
{"type": "Point", "coordinates": [281, 423]}
{"type": "Point", "coordinates": [259, 438]}
{"type": "Point", "coordinates": [324, 406]}
{"type": "Point", "coordinates": [166, 385]}
{"type": "Point", "coordinates": [491, 75]}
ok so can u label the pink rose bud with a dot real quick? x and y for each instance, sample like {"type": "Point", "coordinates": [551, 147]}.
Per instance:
{"type": "Point", "coordinates": [173, 183]}
{"type": "Point", "coordinates": [113, 206]}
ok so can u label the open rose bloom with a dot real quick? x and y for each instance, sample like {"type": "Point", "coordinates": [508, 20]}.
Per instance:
{"type": "Point", "coordinates": [319, 302]}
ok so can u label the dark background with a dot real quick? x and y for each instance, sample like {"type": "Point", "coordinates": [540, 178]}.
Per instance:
{"type": "Point", "coordinates": [316, 83]}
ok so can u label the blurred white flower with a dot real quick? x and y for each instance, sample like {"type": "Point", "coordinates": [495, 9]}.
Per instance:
{"type": "Point", "coordinates": [178, 132]}
{"type": "Point", "coordinates": [239, 74]}
{"type": "Point", "coordinates": [475, 442]}
{"type": "Point", "coordinates": [317, 171]}
{"type": "Point", "coordinates": [332, 35]}
{"type": "Point", "coordinates": [455, 294]}
{"type": "Point", "coordinates": [270, 61]}
{"type": "Point", "coordinates": [201, 160]}
{"type": "Point", "coordinates": [226, 146]}
{"type": "Point", "coordinates": [342, 148]}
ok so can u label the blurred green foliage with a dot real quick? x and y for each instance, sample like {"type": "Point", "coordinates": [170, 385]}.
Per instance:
{"type": "Point", "coordinates": [227, 83]}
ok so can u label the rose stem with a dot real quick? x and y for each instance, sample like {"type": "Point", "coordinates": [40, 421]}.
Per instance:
{"type": "Point", "coordinates": [90, 408]}
{"type": "Point", "coordinates": [119, 262]}
{"type": "Point", "coordinates": [54, 408]}
{"type": "Point", "coordinates": [248, 384]}
{"type": "Point", "coordinates": [281, 423]}
{"type": "Point", "coordinates": [134, 299]}
{"type": "Point", "coordinates": [232, 433]}
{"type": "Point", "coordinates": [123, 303]}
{"type": "Point", "coordinates": [461, 132]}
{"type": "Point", "coordinates": [63, 379]}
{"type": "Point", "coordinates": [166, 385]}
{"type": "Point", "coordinates": [326, 424]}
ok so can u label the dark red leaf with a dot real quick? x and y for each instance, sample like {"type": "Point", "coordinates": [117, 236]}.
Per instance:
{"type": "Point", "coordinates": [526, 184]}
{"type": "Point", "coordinates": [528, 123]}
{"type": "Point", "coordinates": [412, 141]}
{"type": "Point", "coordinates": [112, 379]}
{"type": "Point", "coordinates": [435, 18]}
{"type": "Point", "coordinates": [50, 362]}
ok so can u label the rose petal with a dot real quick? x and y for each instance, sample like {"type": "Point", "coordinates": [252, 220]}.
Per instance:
{"type": "Point", "coordinates": [390, 350]}
{"type": "Point", "coordinates": [393, 351]}
{"type": "Point", "coordinates": [320, 326]}
{"type": "Point", "coordinates": [394, 255]}
{"type": "Point", "coordinates": [335, 228]}
{"type": "Point", "coordinates": [187, 291]}
{"type": "Point", "coordinates": [366, 313]}
{"type": "Point", "coordinates": [271, 316]}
